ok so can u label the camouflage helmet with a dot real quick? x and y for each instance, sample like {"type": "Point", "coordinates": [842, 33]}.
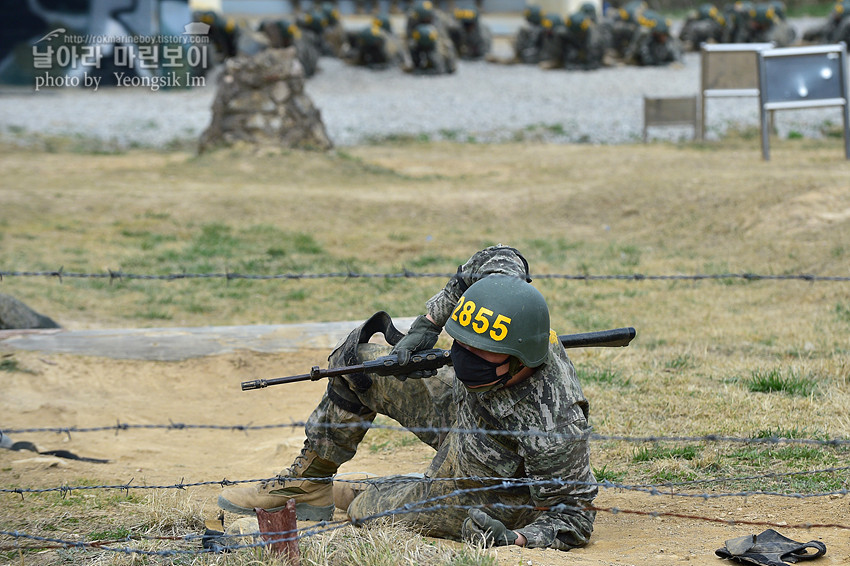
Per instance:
{"type": "Point", "coordinates": [382, 21]}
{"type": "Point", "coordinates": [588, 9]}
{"type": "Point", "coordinates": [466, 16]}
{"type": "Point", "coordinates": [371, 36]}
{"type": "Point", "coordinates": [533, 15]}
{"type": "Point", "coordinates": [780, 8]}
{"type": "Point", "coordinates": [839, 9]}
{"type": "Point", "coordinates": [552, 21]}
{"type": "Point", "coordinates": [631, 11]}
{"type": "Point", "coordinates": [331, 13]}
{"type": "Point", "coordinates": [423, 12]}
{"type": "Point", "coordinates": [579, 23]}
{"type": "Point", "coordinates": [425, 36]}
{"type": "Point", "coordinates": [654, 22]}
{"type": "Point", "coordinates": [503, 314]}
{"type": "Point", "coordinates": [314, 20]}
{"type": "Point", "coordinates": [288, 31]}
{"type": "Point", "coordinates": [763, 14]}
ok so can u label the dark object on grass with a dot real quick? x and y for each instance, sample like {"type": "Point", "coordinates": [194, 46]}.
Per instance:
{"type": "Point", "coordinates": [769, 549]}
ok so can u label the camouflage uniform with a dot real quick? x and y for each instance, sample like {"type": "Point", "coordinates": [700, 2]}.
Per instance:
{"type": "Point", "coordinates": [762, 24]}
{"type": "Point", "coordinates": [283, 33]}
{"type": "Point", "coordinates": [835, 29]}
{"type": "Point", "coordinates": [223, 34]}
{"type": "Point", "coordinates": [703, 25]}
{"type": "Point", "coordinates": [471, 37]}
{"type": "Point", "coordinates": [375, 47]}
{"type": "Point", "coordinates": [623, 26]}
{"type": "Point", "coordinates": [313, 24]}
{"type": "Point", "coordinates": [529, 39]}
{"type": "Point", "coordinates": [584, 45]}
{"type": "Point", "coordinates": [552, 41]}
{"type": "Point", "coordinates": [333, 35]}
{"type": "Point", "coordinates": [653, 45]}
{"type": "Point", "coordinates": [550, 400]}
{"type": "Point", "coordinates": [431, 52]}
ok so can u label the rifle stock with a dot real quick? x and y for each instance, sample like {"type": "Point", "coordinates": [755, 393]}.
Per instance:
{"type": "Point", "coordinates": [436, 358]}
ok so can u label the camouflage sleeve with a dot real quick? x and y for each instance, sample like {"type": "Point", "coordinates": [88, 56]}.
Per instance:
{"type": "Point", "coordinates": [495, 259]}
{"type": "Point", "coordinates": [568, 524]}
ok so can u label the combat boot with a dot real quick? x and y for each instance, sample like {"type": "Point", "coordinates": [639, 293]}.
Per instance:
{"type": "Point", "coordinates": [349, 486]}
{"type": "Point", "coordinates": [314, 499]}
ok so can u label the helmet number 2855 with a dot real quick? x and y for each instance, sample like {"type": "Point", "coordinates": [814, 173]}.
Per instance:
{"type": "Point", "coordinates": [481, 320]}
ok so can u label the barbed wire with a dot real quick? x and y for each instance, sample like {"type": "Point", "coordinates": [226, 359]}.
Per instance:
{"type": "Point", "coordinates": [119, 426]}
{"type": "Point", "coordinates": [664, 489]}
{"type": "Point", "coordinates": [264, 539]}
{"type": "Point", "coordinates": [61, 274]}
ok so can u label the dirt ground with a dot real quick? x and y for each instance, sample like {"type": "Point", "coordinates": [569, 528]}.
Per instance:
{"type": "Point", "coordinates": [70, 390]}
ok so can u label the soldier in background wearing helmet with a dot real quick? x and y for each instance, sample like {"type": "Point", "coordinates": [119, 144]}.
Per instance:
{"type": "Point", "coordinates": [472, 38]}
{"type": "Point", "coordinates": [705, 24]}
{"type": "Point", "coordinates": [282, 34]}
{"type": "Point", "coordinates": [836, 27]}
{"type": "Point", "coordinates": [424, 12]}
{"type": "Point", "coordinates": [510, 373]}
{"type": "Point", "coordinates": [552, 45]}
{"type": "Point", "coordinates": [624, 26]}
{"type": "Point", "coordinates": [313, 24]}
{"type": "Point", "coordinates": [761, 24]}
{"type": "Point", "coordinates": [529, 38]}
{"type": "Point", "coordinates": [375, 46]}
{"type": "Point", "coordinates": [333, 34]}
{"type": "Point", "coordinates": [584, 45]}
{"type": "Point", "coordinates": [431, 52]}
{"type": "Point", "coordinates": [223, 33]}
{"type": "Point", "coordinates": [653, 45]}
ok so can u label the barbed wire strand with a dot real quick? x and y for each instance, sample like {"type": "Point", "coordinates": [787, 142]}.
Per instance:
{"type": "Point", "coordinates": [60, 274]}
{"type": "Point", "coordinates": [119, 427]}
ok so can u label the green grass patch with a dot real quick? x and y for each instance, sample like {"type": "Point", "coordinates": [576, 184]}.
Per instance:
{"type": "Point", "coordinates": [777, 381]}
{"type": "Point", "coordinates": [657, 452]}
{"type": "Point", "coordinates": [602, 376]}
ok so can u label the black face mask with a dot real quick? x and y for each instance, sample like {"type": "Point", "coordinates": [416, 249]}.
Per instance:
{"type": "Point", "coordinates": [474, 371]}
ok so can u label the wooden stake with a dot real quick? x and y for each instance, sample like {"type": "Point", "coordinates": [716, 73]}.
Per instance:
{"type": "Point", "coordinates": [282, 521]}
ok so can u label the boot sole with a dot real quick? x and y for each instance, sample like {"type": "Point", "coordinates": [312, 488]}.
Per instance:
{"type": "Point", "coordinates": [303, 511]}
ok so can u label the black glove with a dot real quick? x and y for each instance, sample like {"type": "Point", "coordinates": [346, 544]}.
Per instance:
{"type": "Point", "coordinates": [481, 527]}
{"type": "Point", "coordinates": [422, 335]}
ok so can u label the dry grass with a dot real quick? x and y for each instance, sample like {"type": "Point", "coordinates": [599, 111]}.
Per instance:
{"type": "Point", "coordinates": [654, 209]}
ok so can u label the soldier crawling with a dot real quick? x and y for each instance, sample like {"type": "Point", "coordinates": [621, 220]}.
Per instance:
{"type": "Point", "coordinates": [510, 373]}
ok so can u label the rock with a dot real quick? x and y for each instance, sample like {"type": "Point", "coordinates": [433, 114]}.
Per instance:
{"type": "Point", "coordinates": [15, 314]}
{"type": "Point", "coordinates": [260, 101]}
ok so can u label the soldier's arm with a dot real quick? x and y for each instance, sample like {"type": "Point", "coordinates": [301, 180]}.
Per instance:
{"type": "Point", "coordinates": [495, 259]}
{"type": "Point", "coordinates": [569, 524]}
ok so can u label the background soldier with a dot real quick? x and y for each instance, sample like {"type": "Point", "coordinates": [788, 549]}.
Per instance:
{"type": "Point", "coordinates": [584, 45]}
{"type": "Point", "coordinates": [312, 24]}
{"type": "Point", "coordinates": [703, 25]}
{"type": "Point", "coordinates": [552, 44]}
{"type": "Point", "coordinates": [529, 38]}
{"type": "Point", "coordinates": [223, 34]}
{"type": "Point", "coordinates": [333, 33]}
{"type": "Point", "coordinates": [283, 33]}
{"type": "Point", "coordinates": [472, 37]}
{"type": "Point", "coordinates": [763, 25]}
{"type": "Point", "coordinates": [624, 26]}
{"type": "Point", "coordinates": [828, 32]}
{"type": "Point", "coordinates": [424, 12]}
{"type": "Point", "coordinates": [375, 46]}
{"type": "Point", "coordinates": [511, 373]}
{"type": "Point", "coordinates": [653, 44]}
{"type": "Point", "coordinates": [431, 52]}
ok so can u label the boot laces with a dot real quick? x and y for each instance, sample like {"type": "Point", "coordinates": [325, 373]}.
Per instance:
{"type": "Point", "coordinates": [290, 472]}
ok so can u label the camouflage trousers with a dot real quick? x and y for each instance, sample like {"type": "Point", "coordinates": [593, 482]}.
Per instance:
{"type": "Point", "coordinates": [437, 503]}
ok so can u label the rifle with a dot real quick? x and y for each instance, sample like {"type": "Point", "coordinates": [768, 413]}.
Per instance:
{"type": "Point", "coordinates": [436, 358]}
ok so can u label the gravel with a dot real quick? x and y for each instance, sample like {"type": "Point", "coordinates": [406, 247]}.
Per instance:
{"type": "Point", "coordinates": [483, 102]}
